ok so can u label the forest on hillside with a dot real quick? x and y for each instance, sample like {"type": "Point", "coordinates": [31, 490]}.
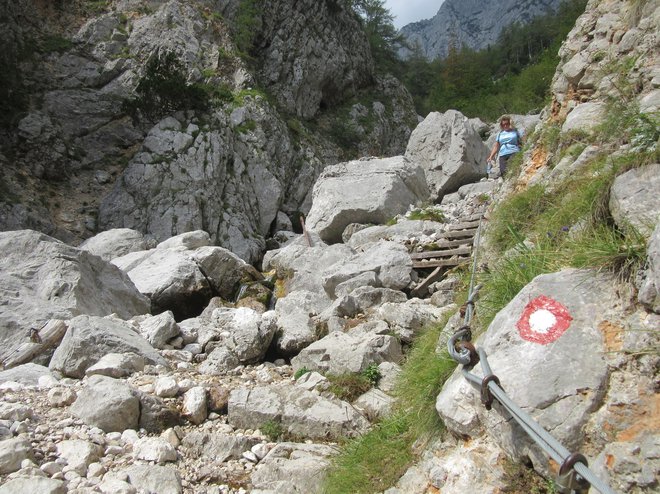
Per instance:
{"type": "Point", "coordinates": [511, 76]}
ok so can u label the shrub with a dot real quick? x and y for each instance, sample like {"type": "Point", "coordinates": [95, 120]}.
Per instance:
{"type": "Point", "coordinates": [372, 374]}
{"type": "Point", "coordinates": [348, 386]}
{"type": "Point", "coordinates": [163, 89]}
{"type": "Point", "coordinates": [272, 429]}
{"type": "Point", "coordinates": [300, 372]}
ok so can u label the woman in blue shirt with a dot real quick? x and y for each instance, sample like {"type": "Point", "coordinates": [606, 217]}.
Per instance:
{"type": "Point", "coordinates": [507, 143]}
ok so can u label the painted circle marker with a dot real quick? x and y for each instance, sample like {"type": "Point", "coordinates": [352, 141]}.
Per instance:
{"type": "Point", "coordinates": [543, 320]}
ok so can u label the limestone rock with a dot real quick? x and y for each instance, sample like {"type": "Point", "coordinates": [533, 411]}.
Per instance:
{"type": "Point", "coordinates": [154, 449]}
{"type": "Point", "coordinates": [107, 404]}
{"type": "Point", "coordinates": [294, 468]}
{"type": "Point", "coordinates": [49, 279]}
{"type": "Point", "coordinates": [117, 365]}
{"type": "Point", "coordinates": [155, 478]}
{"type": "Point", "coordinates": [450, 151]}
{"type": "Point", "coordinates": [194, 405]}
{"type": "Point", "coordinates": [79, 454]}
{"type": "Point", "coordinates": [300, 412]}
{"type": "Point", "coordinates": [218, 446]}
{"type": "Point", "coordinates": [634, 199]}
{"type": "Point", "coordinates": [649, 293]}
{"type": "Point", "coordinates": [12, 453]}
{"type": "Point", "coordinates": [88, 339]}
{"type": "Point", "coordinates": [33, 485]}
{"type": "Point", "coordinates": [25, 374]}
{"type": "Point", "coordinates": [339, 353]}
{"type": "Point", "coordinates": [364, 191]}
{"type": "Point", "coordinates": [555, 319]}
{"type": "Point", "coordinates": [116, 243]}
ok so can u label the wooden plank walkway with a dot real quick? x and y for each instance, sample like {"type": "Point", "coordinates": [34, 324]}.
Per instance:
{"type": "Point", "coordinates": [452, 248]}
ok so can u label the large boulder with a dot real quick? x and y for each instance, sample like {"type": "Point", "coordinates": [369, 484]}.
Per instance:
{"type": "Point", "coordinates": [117, 242]}
{"type": "Point", "coordinates": [42, 278]}
{"type": "Point", "coordinates": [557, 319]}
{"type": "Point", "coordinates": [450, 150]}
{"type": "Point", "coordinates": [634, 199]}
{"type": "Point", "coordinates": [353, 351]}
{"type": "Point", "coordinates": [649, 293]}
{"type": "Point", "coordinates": [294, 468]}
{"type": "Point", "coordinates": [89, 338]}
{"type": "Point", "coordinates": [108, 404]}
{"type": "Point", "coordinates": [182, 273]}
{"type": "Point", "coordinates": [369, 190]}
{"type": "Point", "coordinates": [389, 261]}
{"type": "Point", "coordinates": [300, 412]}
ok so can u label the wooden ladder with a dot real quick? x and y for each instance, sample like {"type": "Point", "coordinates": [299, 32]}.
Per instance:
{"type": "Point", "coordinates": [454, 247]}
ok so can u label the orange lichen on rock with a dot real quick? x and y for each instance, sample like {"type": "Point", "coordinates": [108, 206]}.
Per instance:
{"type": "Point", "coordinates": [612, 334]}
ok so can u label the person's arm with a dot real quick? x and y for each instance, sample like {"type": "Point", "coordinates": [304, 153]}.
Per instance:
{"type": "Point", "coordinates": [493, 152]}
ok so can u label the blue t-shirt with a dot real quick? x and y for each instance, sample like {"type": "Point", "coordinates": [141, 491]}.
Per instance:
{"type": "Point", "coordinates": [509, 142]}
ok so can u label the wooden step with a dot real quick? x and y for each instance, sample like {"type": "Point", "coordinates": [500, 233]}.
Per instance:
{"type": "Point", "coordinates": [459, 234]}
{"type": "Point", "coordinates": [436, 263]}
{"type": "Point", "coordinates": [430, 254]}
{"type": "Point", "coordinates": [464, 225]}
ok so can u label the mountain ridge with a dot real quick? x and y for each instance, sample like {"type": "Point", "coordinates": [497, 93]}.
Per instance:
{"type": "Point", "coordinates": [471, 23]}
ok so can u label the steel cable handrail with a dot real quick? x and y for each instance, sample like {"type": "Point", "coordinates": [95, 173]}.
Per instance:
{"type": "Point", "coordinates": [468, 356]}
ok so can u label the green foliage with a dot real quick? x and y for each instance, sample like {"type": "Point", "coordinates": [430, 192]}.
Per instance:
{"type": "Point", "coordinates": [164, 89]}
{"type": "Point", "coordinates": [348, 386]}
{"type": "Point", "coordinates": [345, 134]}
{"type": "Point", "coordinates": [300, 372]}
{"type": "Point", "coordinates": [429, 214]}
{"type": "Point", "coordinates": [512, 76]}
{"type": "Point", "coordinates": [384, 41]}
{"type": "Point", "coordinates": [246, 26]}
{"type": "Point", "coordinates": [54, 43]}
{"type": "Point", "coordinates": [372, 374]}
{"type": "Point", "coordinates": [95, 6]}
{"type": "Point", "coordinates": [247, 126]}
{"type": "Point", "coordinates": [375, 461]}
{"type": "Point", "coordinates": [567, 226]}
{"type": "Point", "coordinates": [272, 429]}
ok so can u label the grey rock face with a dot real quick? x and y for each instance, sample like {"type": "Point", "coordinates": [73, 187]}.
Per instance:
{"type": "Point", "coordinates": [339, 353]}
{"type": "Point", "coordinates": [449, 149]}
{"type": "Point", "coordinates": [108, 404]}
{"type": "Point", "coordinates": [25, 374]}
{"type": "Point", "coordinates": [32, 485]}
{"type": "Point", "coordinates": [388, 260]}
{"type": "Point", "coordinates": [634, 199]}
{"type": "Point", "coordinates": [181, 275]}
{"type": "Point", "coordinates": [218, 446]}
{"type": "Point", "coordinates": [304, 46]}
{"type": "Point", "coordinates": [293, 468]}
{"type": "Point", "coordinates": [299, 412]}
{"type": "Point", "coordinates": [364, 191]}
{"type": "Point", "coordinates": [525, 345]}
{"type": "Point", "coordinates": [649, 293]}
{"type": "Point", "coordinates": [45, 279]}
{"type": "Point", "coordinates": [473, 23]}
{"type": "Point", "coordinates": [88, 339]}
{"type": "Point", "coordinates": [116, 243]}
{"type": "Point", "coordinates": [154, 478]}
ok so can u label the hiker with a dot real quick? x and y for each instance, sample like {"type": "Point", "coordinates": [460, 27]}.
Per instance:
{"type": "Point", "coordinates": [507, 143]}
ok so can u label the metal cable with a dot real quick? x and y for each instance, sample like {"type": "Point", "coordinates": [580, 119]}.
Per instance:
{"type": "Point", "coordinates": [538, 434]}
{"type": "Point", "coordinates": [463, 356]}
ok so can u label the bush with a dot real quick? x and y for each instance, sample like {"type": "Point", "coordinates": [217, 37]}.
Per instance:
{"type": "Point", "coordinates": [163, 89]}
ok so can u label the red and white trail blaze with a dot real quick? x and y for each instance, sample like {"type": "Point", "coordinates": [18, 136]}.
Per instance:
{"type": "Point", "coordinates": [543, 320]}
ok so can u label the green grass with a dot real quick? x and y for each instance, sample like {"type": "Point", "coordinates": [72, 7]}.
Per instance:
{"type": "Point", "coordinates": [348, 386]}
{"type": "Point", "coordinates": [428, 214]}
{"type": "Point", "coordinates": [375, 461]}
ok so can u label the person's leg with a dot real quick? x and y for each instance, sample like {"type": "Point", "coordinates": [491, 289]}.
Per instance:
{"type": "Point", "coordinates": [503, 160]}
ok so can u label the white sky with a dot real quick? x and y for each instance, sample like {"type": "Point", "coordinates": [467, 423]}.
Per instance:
{"type": "Point", "coordinates": [407, 11]}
